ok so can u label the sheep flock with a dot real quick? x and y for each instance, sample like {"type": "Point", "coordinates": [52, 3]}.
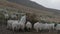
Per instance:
{"type": "Point", "coordinates": [23, 25]}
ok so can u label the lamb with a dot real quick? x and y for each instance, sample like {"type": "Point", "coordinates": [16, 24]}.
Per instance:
{"type": "Point", "coordinates": [28, 26]}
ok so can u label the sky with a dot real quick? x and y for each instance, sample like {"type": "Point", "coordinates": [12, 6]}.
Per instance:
{"type": "Point", "coordinates": [55, 4]}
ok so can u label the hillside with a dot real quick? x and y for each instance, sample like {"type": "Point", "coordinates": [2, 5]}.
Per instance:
{"type": "Point", "coordinates": [27, 3]}
{"type": "Point", "coordinates": [31, 4]}
{"type": "Point", "coordinates": [41, 14]}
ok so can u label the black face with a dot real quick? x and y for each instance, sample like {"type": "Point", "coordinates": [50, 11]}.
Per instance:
{"type": "Point", "coordinates": [55, 25]}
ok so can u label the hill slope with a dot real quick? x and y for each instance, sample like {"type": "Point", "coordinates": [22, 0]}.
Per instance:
{"type": "Point", "coordinates": [31, 4]}
{"type": "Point", "coordinates": [44, 14]}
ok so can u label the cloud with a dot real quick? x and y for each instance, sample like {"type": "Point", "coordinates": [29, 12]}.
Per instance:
{"type": "Point", "coordinates": [49, 3]}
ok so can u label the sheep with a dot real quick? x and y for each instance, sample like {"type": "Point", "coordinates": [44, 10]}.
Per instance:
{"type": "Point", "coordinates": [13, 16]}
{"type": "Point", "coordinates": [47, 26]}
{"type": "Point", "coordinates": [9, 23]}
{"type": "Point", "coordinates": [20, 24]}
{"type": "Point", "coordinates": [6, 16]}
{"type": "Point", "coordinates": [28, 26]}
{"type": "Point", "coordinates": [15, 25]}
{"type": "Point", "coordinates": [51, 26]}
{"type": "Point", "coordinates": [23, 19]}
{"type": "Point", "coordinates": [41, 25]}
{"type": "Point", "coordinates": [57, 27]}
{"type": "Point", "coordinates": [36, 26]}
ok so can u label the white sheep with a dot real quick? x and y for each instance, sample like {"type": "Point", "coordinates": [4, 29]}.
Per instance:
{"type": "Point", "coordinates": [19, 24]}
{"type": "Point", "coordinates": [10, 22]}
{"type": "Point", "coordinates": [36, 26]}
{"type": "Point", "coordinates": [23, 19]}
{"type": "Point", "coordinates": [22, 22]}
{"type": "Point", "coordinates": [15, 25]}
{"type": "Point", "coordinates": [6, 16]}
{"type": "Point", "coordinates": [13, 16]}
{"type": "Point", "coordinates": [41, 25]}
{"type": "Point", "coordinates": [47, 26]}
{"type": "Point", "coordinates": [52, 26]}
{"type": "Point", "coordinates": [57, 27]}
{"type": "Point", "coordinates": [22, 26]}
{"type": "Point", "coordinates": [28, 26]}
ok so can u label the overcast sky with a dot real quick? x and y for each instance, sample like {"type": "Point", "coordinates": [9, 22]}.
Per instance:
{"type": "Point", "coordinates": [49, 3]}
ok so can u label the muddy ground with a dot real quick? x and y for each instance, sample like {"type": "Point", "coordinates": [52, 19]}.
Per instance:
{"type": "Point", "coordinates": [3, 30]}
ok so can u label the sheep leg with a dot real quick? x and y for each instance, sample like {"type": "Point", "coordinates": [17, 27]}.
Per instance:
{"type": "Point", "coordinates": [23, 30]}
{"type": "Point", "coordinates": [7, 27]}
{"type": "Point", "coordinates": [13, 29]}
{"type": "Point", "coordinates": [37, 30]}
{"type": "Point", "coordinates": [28, 29]}
{"type": "Point", "coordinates": [49, 30]}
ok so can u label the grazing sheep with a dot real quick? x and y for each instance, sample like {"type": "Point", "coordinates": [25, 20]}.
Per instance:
{"type": "Point", "coordinates": [28, 26]}
{"type": "Point", "coordinates": [36, 26]}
